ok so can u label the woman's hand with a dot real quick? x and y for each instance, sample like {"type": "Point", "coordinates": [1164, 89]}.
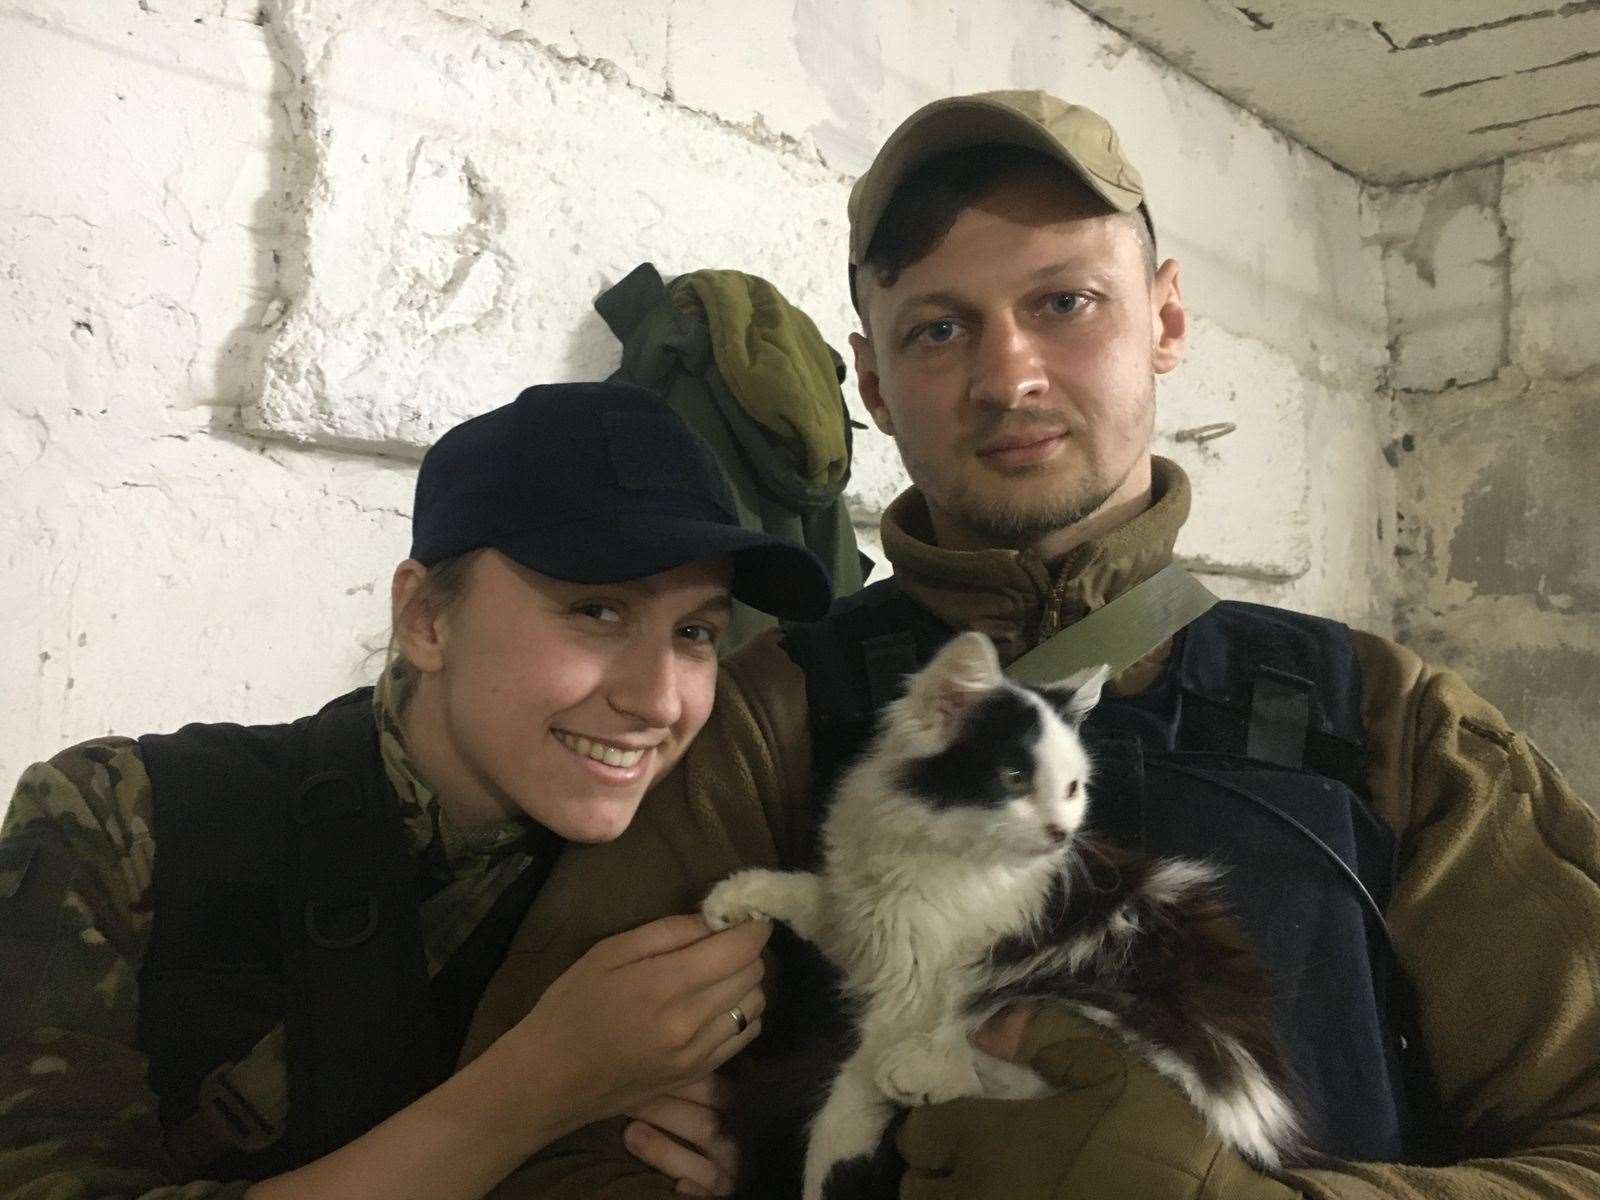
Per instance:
{"type": "Point", "coordinates": [642, 1013]}
{"type": "Point", "coordinates": [679, 1133]}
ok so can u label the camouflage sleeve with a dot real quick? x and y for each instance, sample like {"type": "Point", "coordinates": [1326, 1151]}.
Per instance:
{"type": "Point", "coordinates": [77, 1119]}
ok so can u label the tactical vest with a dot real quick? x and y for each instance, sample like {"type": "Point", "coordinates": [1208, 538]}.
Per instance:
{"type": "Point", "coordinates": [1248, 754]}
{"type": "Point", "coordinates": [286, 893]}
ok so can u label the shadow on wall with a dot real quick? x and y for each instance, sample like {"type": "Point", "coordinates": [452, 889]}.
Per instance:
{"type": "Point", "coordinates": [279, 243]}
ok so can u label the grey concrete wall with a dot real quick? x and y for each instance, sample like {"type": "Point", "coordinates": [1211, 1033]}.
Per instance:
{"type": "Point", "coordinates": [1494, 296]}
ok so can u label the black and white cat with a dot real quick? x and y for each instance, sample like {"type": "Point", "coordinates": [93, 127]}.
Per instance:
{"type": "Point", "coordinates": [955, 881]}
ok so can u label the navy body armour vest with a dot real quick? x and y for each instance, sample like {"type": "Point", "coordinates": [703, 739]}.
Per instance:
{"type": "Point", "coordinates": [1247, 754]}
{"type": "Point", "coordinates": [286, 892]}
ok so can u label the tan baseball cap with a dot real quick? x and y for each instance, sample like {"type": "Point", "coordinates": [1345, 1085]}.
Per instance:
{"type": "Point", "coordinates": [1077, 137]}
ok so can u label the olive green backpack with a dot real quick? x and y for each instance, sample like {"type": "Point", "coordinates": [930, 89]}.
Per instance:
{"type": "Point", "coordinates": [751, 374]}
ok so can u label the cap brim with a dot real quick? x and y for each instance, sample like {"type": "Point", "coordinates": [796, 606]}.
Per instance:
{"type": "Point", "coordinates": [771, 574]}
{"type": "Point", "coordinates": [955, 124]}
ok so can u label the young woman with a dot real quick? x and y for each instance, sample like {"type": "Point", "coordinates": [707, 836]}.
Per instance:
{"type": "Point", "coordinates": [249, 954]}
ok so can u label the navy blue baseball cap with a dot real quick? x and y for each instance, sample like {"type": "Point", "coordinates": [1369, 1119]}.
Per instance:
{"type": "Point", "coordinates": [599, 483]}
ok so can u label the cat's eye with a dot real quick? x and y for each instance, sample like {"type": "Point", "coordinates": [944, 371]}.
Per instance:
{"type": "Point", "coordinates": [1014, 779]}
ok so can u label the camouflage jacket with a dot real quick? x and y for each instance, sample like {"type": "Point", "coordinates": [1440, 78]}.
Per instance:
{"type": "Point", "coordinates": [77, 1119]}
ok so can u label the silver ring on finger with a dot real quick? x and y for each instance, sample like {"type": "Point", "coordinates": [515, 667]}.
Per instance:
{"type": "Point", "coordinates": [740, 1021]}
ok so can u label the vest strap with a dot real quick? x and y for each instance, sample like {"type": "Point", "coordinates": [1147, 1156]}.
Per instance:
{"type": "Point", "coordinates": [243, 1105]}
{"type": "Point", "coordinates": [353, 958]}
{"type": "Point", "coordinates": [890, 657]}
{"type": "Point", "coordinates": [462, 979]}
{"type": "Point", "coordinates": [1122, 632]}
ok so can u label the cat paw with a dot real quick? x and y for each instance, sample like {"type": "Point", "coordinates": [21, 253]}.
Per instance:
{"type": "Point", "coordinates": [922, 1070]}
{"type": "Point", "coordinates": [734, 900]}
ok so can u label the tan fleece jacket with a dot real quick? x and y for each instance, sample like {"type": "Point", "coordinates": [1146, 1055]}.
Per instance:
{"type": "Point", "coordinates": [1496, 915]}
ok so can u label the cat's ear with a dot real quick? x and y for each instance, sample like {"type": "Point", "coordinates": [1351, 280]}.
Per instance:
{"type": "Point", "coordinates": [958, 676]}
{"type": "Point", "coordinates": [1079, 692]}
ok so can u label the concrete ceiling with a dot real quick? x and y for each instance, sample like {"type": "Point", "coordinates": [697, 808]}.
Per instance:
{"type": "Point", "coordinates": [1393, 91]}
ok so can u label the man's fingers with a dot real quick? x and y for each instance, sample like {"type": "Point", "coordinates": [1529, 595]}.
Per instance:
{"type": "Point", "coordinates": [675, 1160]}
{"type": "Point", "coordinates": [685, 1120]}
{"type": "Point", "coordinates": [1001, 1035]}
{"type": "Point", "coordinates": [713, 1091]}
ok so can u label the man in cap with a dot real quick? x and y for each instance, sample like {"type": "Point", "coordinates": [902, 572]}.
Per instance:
{"type": "Point", "coordinates": [1422, 883]}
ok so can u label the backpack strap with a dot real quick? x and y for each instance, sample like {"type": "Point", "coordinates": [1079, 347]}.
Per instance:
{"type": "Point", "coordinates": [360, 1036]}
{"type": "Point", "coordinates": [625, 304]}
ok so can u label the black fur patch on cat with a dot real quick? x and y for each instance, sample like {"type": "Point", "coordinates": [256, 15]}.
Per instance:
{"type": "Point", "coordinates": [808, 1030]}
{"type": "Point", "coordinates": [997, 736]}
{"type": "Point", "coordinates": [1176, 975]}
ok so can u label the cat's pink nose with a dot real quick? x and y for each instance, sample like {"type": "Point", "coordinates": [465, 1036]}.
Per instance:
{"type": "Point", "coordinates": [1055, 833]}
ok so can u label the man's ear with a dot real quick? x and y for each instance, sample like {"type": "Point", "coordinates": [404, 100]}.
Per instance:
{"type": "Point", "coordinates": [867, 383]}
{"type": "Point", "coordinates": [1169, 321]}
{"type": "Point", "coordinates": [417, 628]}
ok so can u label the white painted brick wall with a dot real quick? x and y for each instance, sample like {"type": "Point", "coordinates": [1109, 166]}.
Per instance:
{"type": "Point", "coordinates": [263, 257]}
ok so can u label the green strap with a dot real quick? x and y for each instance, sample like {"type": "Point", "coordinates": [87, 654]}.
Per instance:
{"type": "Point", "coordinates": [628, 301]}
{"type": "Point", "coordinates": [1122, 632]}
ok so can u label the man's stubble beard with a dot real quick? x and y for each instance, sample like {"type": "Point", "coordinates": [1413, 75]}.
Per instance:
{"type": "Point", "coordinates": [1016, 526]}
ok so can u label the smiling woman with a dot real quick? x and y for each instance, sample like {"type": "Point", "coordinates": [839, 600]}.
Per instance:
{"type": "Point", "coordinates": [559, 701]}
{"type": "Point", "coordinates": [277, 997]}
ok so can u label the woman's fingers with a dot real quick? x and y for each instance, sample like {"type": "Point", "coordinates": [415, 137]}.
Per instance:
{"type": "Point", "coordinates": [722, 1046]}
{"type": "Point", "coordinates": [663, 936]}
{"type": "Point", "coordinates": [719, 955]}
{"type": "Point", "coordinates": [720, 1029]}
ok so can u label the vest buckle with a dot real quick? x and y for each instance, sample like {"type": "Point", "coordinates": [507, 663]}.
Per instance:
{"type": "Point", "coordinates": [232, 1117]}
{"type": "Point", "coordinates": [341, 924]}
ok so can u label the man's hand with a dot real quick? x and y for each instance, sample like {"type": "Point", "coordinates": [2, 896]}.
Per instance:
{"type": "Point", "coordinates": [1001, 1036]}
{"type": "Point", "coordinates": [1116, 1131]}
{"type": "Point", "coordinates": [679, 1133]}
